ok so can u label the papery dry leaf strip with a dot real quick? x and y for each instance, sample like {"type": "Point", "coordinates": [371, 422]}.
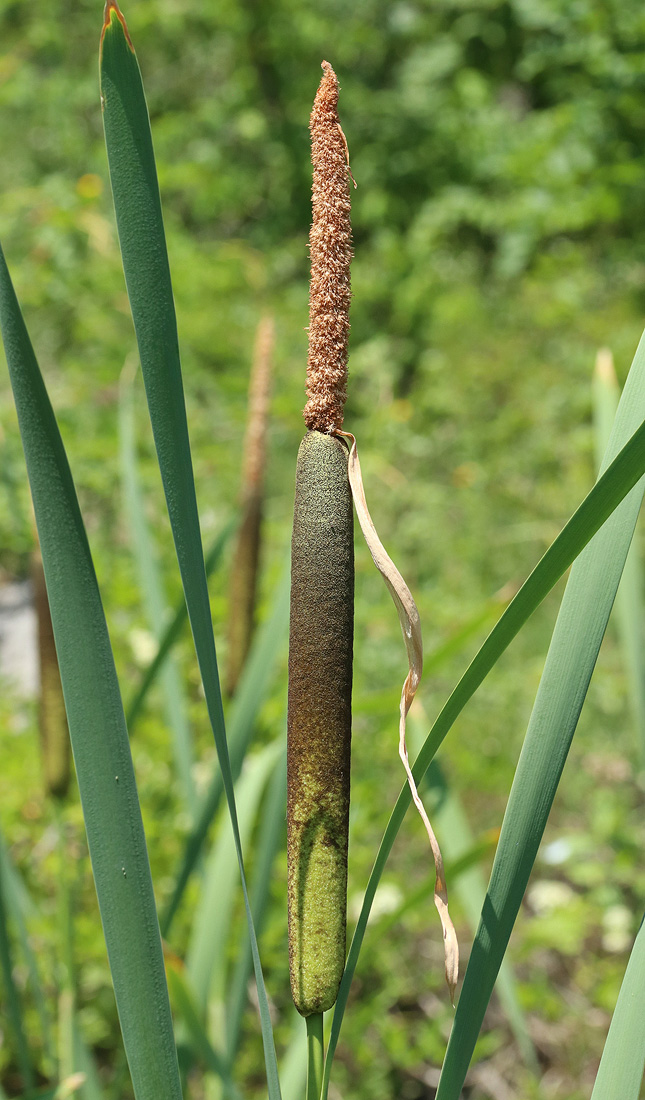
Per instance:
{"type": "Point", "coordinates": [411, 626]}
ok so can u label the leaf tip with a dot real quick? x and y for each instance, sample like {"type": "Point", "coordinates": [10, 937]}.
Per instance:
{"type": "Point", "coordinates": [112, 9]}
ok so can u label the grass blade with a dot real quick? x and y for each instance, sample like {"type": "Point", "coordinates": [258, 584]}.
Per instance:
{"type": "Point", "coordinates": [145, 262]}
{"type": "Point", "coordinates": [271, 832]}
{"type": "Point", "coordinates": [250, 694]}
{"type": "Point", "coordinates": [206, 958]}
{"type": "Point", "coordinates": [19, 907]}
{"type": "Point", "coordinates": [615, 483]}
{"type": "Point", "coordinates": [629, 600]}
{"type": "Point", "coordinates": [293, 1069]}
{"type": "Point", "coordinates": [186, 1008]}
{"type": "Point", "coordinates": [470, 887]}
{"type": "Point", "coordinates": [151, 587]}
{"type": "Point", "coordinates": [173, 631]}
{"type": "Point", "coordinates": [623, 1059]}
{"type": "Point", "coordinates": [97, 728]}
{"type": "Point", "coordinates": [91, 1087]}
{"type": "Point", "coordinates": [14, 1007]}
{"type": "Point", "coordinates": [576, 640]}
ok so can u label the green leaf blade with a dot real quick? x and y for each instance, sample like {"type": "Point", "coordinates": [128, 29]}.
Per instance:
{"type": "Point", "coordinates": [151, 587]}
{"type": "Point", "coordinates": [616, 481]}
{"type": "Point", "coordinates": [629, 601]}
{"type": "Point", "coordinates": [97, 727]}
{"type": "Point", "coordinates": [137, 204]}
{"type": "Point", "coordinates": [576, 640]}
{"type": "Point", "coordinates": [623, 1059]}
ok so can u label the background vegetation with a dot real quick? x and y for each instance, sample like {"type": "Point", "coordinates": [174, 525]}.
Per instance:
{"type": "Point", "coordinates": [499, 229]}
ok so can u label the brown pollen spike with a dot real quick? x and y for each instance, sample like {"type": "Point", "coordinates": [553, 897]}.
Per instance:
{"type": "Point", "coordinates": [330, 247]}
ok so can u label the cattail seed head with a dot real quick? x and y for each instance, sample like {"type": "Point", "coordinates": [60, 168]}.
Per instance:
{"type": "Point", "coordinates": [330, 247]}
{"type": "Point", "coordinates": [319, 721]}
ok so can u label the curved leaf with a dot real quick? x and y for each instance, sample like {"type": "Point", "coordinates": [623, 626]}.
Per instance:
{"type": "Point", "coordinates": [576, 640]}
{"type": "Point", "coordinates": [623, 1059]}
{"type": "Point", "coordinates": [97, 728]}
{"type": "Point", "coordinates": [147, 273]}
{"type": "Point", "coordinates": [617, 480]}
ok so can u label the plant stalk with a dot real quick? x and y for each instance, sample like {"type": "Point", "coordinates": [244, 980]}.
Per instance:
{"type": "Point", "coordinates": [315, 1055]}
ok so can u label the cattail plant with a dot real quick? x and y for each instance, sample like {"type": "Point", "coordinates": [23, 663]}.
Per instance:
{"type": "Point", "coordinates": [247, 551]}
{"type": "Point", "coordinates": [322, 594]}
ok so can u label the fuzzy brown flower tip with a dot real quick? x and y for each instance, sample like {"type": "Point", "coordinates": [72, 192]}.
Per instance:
{"type": "Point", "coordinates": [254, 452]}
{"type": "Point", "coordinates": [330, 247]}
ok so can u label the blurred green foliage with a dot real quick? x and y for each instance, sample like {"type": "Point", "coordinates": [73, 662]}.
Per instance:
{"type": "Point", "coordinates": [499, 226]}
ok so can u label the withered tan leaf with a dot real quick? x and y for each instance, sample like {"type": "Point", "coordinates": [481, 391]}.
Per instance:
{"type": "Point", "coordinates": [411, 627]}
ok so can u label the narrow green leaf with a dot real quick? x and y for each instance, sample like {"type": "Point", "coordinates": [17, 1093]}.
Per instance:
{"type": "Point", "coordinates": [91, 1088]}
{"type": "Point", "coordinates": [151, 587]}
{"type": "Point", "coordinates": [621, 1067]}
{"type": "Point", "coordinates": [629, 610]}
{"type": "Point", "coordinates": [13, 1001]}
{"type": "Point", "coordinates": [97, 728]}
{"type": "Point", "coordinates": [189, 1013]}
{"type": "Point", "coordinates": [20, 908]}
{"type": "Point", "coordinates": [293, 1067]}
{"type": "Point", "coordinates": [617, 480]}
{"type": "Point", "coordinates": [206, 959]}
{"type": "Point", "coordinates": [452, 827]}
{"type": "Point", "coordinates": [145, 262]}
{"type": "Point", "coordinates": [250, 694]}
{"type": "Point", "coordinates": [173, 631]}
{"type": "Point", "coordinates": [66, 970]}
{"type": "Point", "coordinates": [576, 640]}
{"type": "Point", "coordinates": [271, 833]}
{"type": "Point", "coordinates": [467, 631]}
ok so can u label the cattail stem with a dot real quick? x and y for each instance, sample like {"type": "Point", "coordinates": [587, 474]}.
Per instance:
{"type": "Point", "coordinates": [315, 1055]}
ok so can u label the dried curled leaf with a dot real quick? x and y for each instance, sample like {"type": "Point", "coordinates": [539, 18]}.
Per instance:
{"type": "Point", "coordinates": [411, 627]}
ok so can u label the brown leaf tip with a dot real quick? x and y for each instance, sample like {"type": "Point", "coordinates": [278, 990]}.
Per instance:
{"type": "Point", "coordinates": [110, 7]}
{"type": "Point", "coordinates": [330, 247]}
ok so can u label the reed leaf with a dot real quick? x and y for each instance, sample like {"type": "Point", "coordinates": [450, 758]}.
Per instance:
{"type": "Point", "coordinates": [469, 885]}
{"type": "Point", "coordinates": [576, 640]}
{"type": "Point", "coordinates": [174, 628]}
{"type": "Point", "coordinates": [206, 958]}
{"type": "Point", "coordinates": [186, 1008]}
{"type": "Point", "coordinates": [19, 908]}
{"type": "Point", "coordinates": [151, 586]}
{"type": "Point", "coordinates": [271, 832]}
{"type": "Point", "coordinates": [615, 483]}
{"type": "Point", "coordinates": [13, 1001]}
{"type": "Point", "coordinates": [293, 1067]}
{"type": "Point", "coordinates": [137, 205]}
{"type": "Point", "coordinates": [97, 728]}
{"type": "Point", "coordinates": [621, 1067]}
{"type": "Point", "coordinates": [629, 610]}
{"type": "Point", "coordinates": [249, 697]}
